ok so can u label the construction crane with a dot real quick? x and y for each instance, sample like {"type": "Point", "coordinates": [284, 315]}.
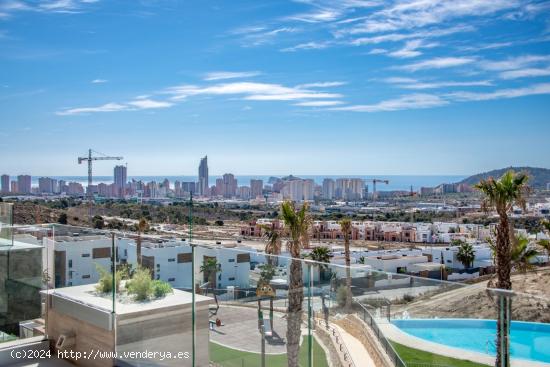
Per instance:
{"type": "Point", "coordinates": [89, 159]}
{"type": "Point", "coordinates": [374, 181]}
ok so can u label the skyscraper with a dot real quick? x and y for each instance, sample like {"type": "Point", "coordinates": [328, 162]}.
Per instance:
{"type": "Point", "coordinates": [120, 173]}
{"type": "Point", "coordinates": [24, 184]}
{"type": "Point", "coordinates": [256, 188]}
{"type": "Point", "coordinates": [5, 183]}
{"type": "Point", "coordinates": [203, 177]}
{"type": "Point", "coordinates": [229, 185]}
{"type": "Point", "coordinates": [328, 188]}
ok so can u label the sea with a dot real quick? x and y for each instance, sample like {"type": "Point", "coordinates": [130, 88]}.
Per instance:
{"type": "Point", "coordinates": [396, 182]}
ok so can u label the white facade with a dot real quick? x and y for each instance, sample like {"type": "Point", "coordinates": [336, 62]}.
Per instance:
{"type": "Point", "coordinates": [72, 260]}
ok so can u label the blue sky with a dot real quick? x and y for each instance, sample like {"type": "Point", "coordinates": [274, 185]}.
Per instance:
{"type": "Point", "coordinates": [274, 87]}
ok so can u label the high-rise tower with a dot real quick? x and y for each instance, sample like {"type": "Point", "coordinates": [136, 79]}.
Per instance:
{"type": "Point", "coordinates": [203, 177]}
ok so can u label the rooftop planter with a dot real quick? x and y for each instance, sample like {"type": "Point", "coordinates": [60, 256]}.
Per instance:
{"type": "Point", "coordinates": [147, 315]}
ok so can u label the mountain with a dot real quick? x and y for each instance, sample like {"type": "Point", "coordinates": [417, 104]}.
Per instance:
{"type": "Point", "coordinates": [538, 177]}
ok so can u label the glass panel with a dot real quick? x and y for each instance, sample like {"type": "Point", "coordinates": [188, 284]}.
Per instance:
{"type": "Point", "coordinates": [79, 263]}
{"type": "Point", "coordinates": [6, 221]}
{"type": "Point", "coordinates": [154, 310]}
{"type": "Point", "coordinates": [21, 281]}
{"type": "Point", "coordinates": [250, 324]}
{"type": "Point", "coordinates": [530, 316]}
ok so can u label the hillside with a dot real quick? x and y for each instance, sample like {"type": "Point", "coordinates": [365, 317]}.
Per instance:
{"type": "Point", "coordinates": [538, 177]}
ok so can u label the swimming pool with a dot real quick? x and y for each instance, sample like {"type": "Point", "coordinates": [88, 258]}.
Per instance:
{"type": "Point", "coordinates": [528, 340]}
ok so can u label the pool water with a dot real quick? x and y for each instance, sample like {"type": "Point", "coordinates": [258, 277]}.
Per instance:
{"type": "Point", "coordinates": [528, 340]}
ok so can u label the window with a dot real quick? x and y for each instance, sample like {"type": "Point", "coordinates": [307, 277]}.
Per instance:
{"type": "Point", "coordinates": [87, 276]}
{"type": "Point", "coordinates": [172, 260]}
{"type": "Point", "coordinates": [70, 263]}
{"type": "Point", "coordinates": [231, 279]}
{"type": "Point", "coordinates": [171, 279]}
{"type": "Point", "coordinates": [85, 255]}
{"type": "Point", "coordinates": [125, 253]}
{"type": "Point", "coordinates": [231, 260]}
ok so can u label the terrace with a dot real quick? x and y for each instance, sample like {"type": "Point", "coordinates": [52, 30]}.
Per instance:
{"type": "Point", "coordinates": [395, 319]}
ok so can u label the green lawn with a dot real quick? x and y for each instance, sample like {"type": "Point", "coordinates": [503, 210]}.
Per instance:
{"type": "Point", "coordinates": [235, 358]}
{"type": "Point", "coordinates": [411, 355]}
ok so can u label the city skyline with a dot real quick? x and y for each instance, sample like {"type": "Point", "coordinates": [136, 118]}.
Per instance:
{"type": "Point", "coordinates": [310, 87]}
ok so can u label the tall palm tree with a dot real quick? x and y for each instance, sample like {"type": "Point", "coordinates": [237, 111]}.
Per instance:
{"type": "Point", "coordinates": [322, 256]}
{"type": "Point", "coordinates": [501, 195]}
{"type": "Point", "coordinates": [210, 267]}
{"type": "Point", "coordinates": [345, 227]}
{"type": "Point", "coordinates": [297, 224]}
{"type": "Point", "coordinates": [274, 243]}
{"type": "Point", "coordinates": [466, 254]}
{"type": "Point", "coordinates": [141, 227]}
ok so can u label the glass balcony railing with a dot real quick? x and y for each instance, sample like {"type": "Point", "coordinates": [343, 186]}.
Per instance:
{"type": "Point", "coordinates": [157, 300]}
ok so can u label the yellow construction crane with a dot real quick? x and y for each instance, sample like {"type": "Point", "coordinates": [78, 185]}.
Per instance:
{"type": "Point", "coordinates": [89, 159]}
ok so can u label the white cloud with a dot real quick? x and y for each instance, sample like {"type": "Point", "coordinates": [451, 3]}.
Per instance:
{"type": "Point", "coordinates": [536, 89]}
{"type": "Point", "coordinates": [138, 104]}
{"type": "Point", "coordinates": [46, 6]}
{"type": "Point", "coordinates": [524, 73]}
{"type": "Point", "coordinates": [145, 104]}
{"type": "Point", "coordinates": [322, 15]}
{"type": "Point", "coordinates": [257, 36]}
{"type": "Point", "coordinates": [319, 103]}
{"type": "Point", "coordinates": [99, 81]}
{"type": "Point", "coordinates": [411, 48]}
{"type": "Point", "coordinates": [411, 101]}
{"type": "Point", "coordinates": [290, 96]}
{"type": "Point", "coordinates": [220, 75]}
{"type": "Point", "coordinates": [377, 51]}
{"type": "Point", "coordinates": [421, 34]}
{"type": "Point", "coordinates": [307, 46]}
{"type": "Point", "coordinates": [406, 15]}
{"type": "Point", "coordinates": [416, 85]}
{"type": "Point", "coordinates": [513, 63]}
{"type": "Point", "coordinates": [321, 85]}
{"type": "Point", "coordinates": [250, 90]}
{"type": "Point", "coordinates": [109, 107]}
{"type": "Point", "coordinates": [437, 63]}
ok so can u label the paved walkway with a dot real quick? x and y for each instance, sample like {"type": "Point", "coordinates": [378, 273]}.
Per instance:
{"type": "Point", "coordinates": [240, 330]}
{"type": "Point", "coordinates": [357, 351]}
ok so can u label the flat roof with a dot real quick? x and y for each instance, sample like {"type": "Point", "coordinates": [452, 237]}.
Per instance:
{"type": "Point", "coordinates": [87, 295]}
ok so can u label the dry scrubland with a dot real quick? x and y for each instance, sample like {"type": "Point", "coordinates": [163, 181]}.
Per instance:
{"type": "Point", "coordinates": [533, 304]}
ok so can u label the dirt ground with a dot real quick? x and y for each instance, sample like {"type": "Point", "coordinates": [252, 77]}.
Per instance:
{"type": "Point", "coordinates": [532, 303]}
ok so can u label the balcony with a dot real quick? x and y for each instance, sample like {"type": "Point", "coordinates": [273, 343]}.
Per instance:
{"type": "Point", "coordinates": [79, 295]}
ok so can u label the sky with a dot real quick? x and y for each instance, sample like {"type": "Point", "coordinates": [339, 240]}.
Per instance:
{"type": "Point", "coordinates": [357, 87]}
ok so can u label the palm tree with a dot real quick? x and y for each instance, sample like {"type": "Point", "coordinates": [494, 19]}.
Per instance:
{"type": "Point", "coordinates": [466, 254]}
{"type": "Point", "coordinates": [322, 256]}
{"type": "Point", "coordinates": [210, 268]}
{"type": "Point", "coordinates": [141, 227]}
{"type": "Point", "coordinates": [345, 227]}
{"type": "Point", "coordinates": [545, 244]}
{"type": "Point", "coordinates": [522, 254]}
{"type": "Point", "coordinates": [297, 223]}
{"type": "Point", "coordinates": [274, 243]}
{"type": "Point", "coordinates": [501, 195]}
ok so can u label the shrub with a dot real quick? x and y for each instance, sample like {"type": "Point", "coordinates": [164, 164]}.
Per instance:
{"type": "Point", "coordinates": [141, 284]}
{"type": "Point", "coordinates": [161, 288]}
{"type": "Point", "coordinates": [341, 295]}
{"type": "Point", "coordinates": [105, 284]}
{"type": "Point", "coordinates": [62, 219]}
{"type": "Point", "coordinates": [408, 297]}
